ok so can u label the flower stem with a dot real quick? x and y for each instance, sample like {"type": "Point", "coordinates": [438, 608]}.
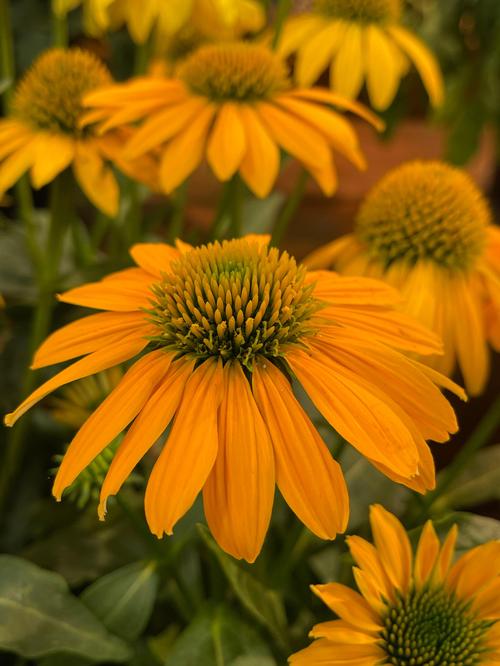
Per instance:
{"type": "Point", "coordinates": [60, 34]}
{"type": "Point", "coordinates": [179, 201]}
{"type": "Point", "coordinates": [7, 73]}
{"type": "Point", "coordinates": [290, 208]}
{"type": "Point", "coordinates": [282, 12]}
{"type": "Point", "coordinates": [479, 438]}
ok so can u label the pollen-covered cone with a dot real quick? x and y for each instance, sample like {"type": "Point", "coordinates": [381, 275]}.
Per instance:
{"type": "Point", "coordinates": [216, 333]}
{"type": "Point", "coordinates": [411, 608]}
{"type": "Point", "coordinates": [232, 104]}
{"type": "Point", "coordinates": [42, 134]}
{"type": "Point", "coordinates": [361, 41]}
{"type": "Point", "coordinates": [218, 18]}
{"type": "Point", "coordinates": [426, 229]}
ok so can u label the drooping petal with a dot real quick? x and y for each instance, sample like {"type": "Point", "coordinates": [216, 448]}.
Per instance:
{"type": "Point", "coordinates": [184, 152]}
{"type": "Point", "coordinates": [189, 453]}
{"type": "Point", "coordinates": [16, 164]}
{"type": "Point", "coordinates": [227, 142]}
{"type": "Point", "coordinates": [53, 153]}
{"type": "Point", "coordinates": [147, 428]}
{"type": "Point", "coordinates": [96, 178]}
{"type": "Point", "coordinates": [309, 479]}
{"type": "Point", "coordinates": [393, 546]}
{"type": "Point", "coordinates": [316, 53]}
{"type": "Point", "coordinates": [296, 31]}
{"type": "Point", "coordinates": [238, 495]}
{"type": "Point", "coordinates": [260, 165]}
{"type": "Point", "coordinates": [423, 60]}
{"type": "Point", "coordinates": [112, 416]}
{"type": "Point", "coordinates": [124, 348]}
{"type": "Point", "coordinates": [382, 71]}
{"type": "Point", "coordinates": [347, 69]}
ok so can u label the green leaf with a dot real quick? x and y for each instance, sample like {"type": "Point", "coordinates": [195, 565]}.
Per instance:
{"type": "Point", "coordinates": [216, 638]}
{"type": "Point", "coordinates": [369, 486]}
{"type": "Point", "coordinates": [479, 482]}
{"type": "Point", "coordinates": [40, 616]}
{"type": "Point", "coordinates": [263, 604]}
{"type": "Point", "coordinates": [123, 599]}
{"type": "Point", "coordinates": [253, 661]}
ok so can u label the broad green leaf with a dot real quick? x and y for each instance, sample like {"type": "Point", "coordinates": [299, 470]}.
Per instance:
{"type": "Point", "coordinates": [479, 482]}
{"type": "Point", "coordinates": [215, 638]}
{"type": "Point", "coordinates": [40, 616]}
{"type": "Point", "coordinates": [263, 604]}
{"type": "Point", "coordinates": [65, 660]}
{"type": "Point", "coordinates": [123, 599]}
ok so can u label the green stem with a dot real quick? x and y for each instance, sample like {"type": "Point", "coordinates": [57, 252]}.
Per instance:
{"type": "Point", "coordinates": [101, 225]}
{"type": "Point", "coordinates": [133, 220]}
{"type": "Point", "coordinates": [7, 67]}
{"type": "Point", "coordinates": [179, 200]}
{"type": "Point", "coordinates": [60, 34]}
{"type": "Point", "coordinates": [26, 211]}
{"type": "Point", "coordinates": [479, 438]}
{"type": "Point", "coordinates": [235, 203]}
{"type": "Point", "coordinates": [282, 12]}
{"type": "Point", "coordinates": [290, 208]}
{"type": "Point", "coordinates": [141, 57]}
{"type": "Point", "coordinates": [222, 210]}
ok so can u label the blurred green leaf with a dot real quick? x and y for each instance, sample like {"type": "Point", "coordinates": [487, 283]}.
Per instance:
{"type": "Point", "coordinates": [479, 482]}
{"type": "Point", "coordinates": [464, 137]}
{"type": "Point", "coordinates": [263, 604]}
{"type": "Point", "coordinates": [253, 661]}
{"type": "Point", "coordinates": [368, 486]}
{"type": "Point", "coordinates": [123, 599]}
{"type": "Point", "coordinates": [216, 638]}
{"type": "Point", "coordinates": [40, 616]}
{"type": "Point", "coordinates": [65, 660]}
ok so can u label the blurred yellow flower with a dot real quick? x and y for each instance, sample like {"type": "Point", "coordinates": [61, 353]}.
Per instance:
{"type": "Point", "coordinates": [220, 18]}
{"type": "Point", "coordinates": [42, 133]}
{"type": "Point", "coordinates": [361, 41]}
{"type": "Point", "coordinates": [220, 329]}
{"type": "Point", "coordinates": [412, 609]}
{"type": "Point", "coordinates": [426, 229]}
{"type": "Point", "coordinates": [232, 103]}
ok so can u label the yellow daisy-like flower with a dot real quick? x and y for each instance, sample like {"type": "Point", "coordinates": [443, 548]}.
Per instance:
{"type": "Point", "coordinates": [42, 132]}
{"type": "Point", "coordinates": [232, 103]}
{"type": "Point", "coordinates": [220, 18]}
{"type": "Point", "coordinates": [412, 609]}
{"type": "Point", "coordinates": [220, 329]}
{"type": "Point", "coordinates": [426, 229]}
{"type": "Point", "coordinates": [361, 41]}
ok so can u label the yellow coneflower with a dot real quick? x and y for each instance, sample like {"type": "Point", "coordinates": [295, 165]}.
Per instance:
{"type": "Point", "coordinates": [361, 40]}
{"type": "Point", "coordinates": [220, 329]}
{"type": "Point", "coordinates": [233, 103]}
{"type": "Point", "coordinates": [412, 610]}
{"type": "Point", "coordinates": [42, 133]}
{"type": "Point", "coordinates": [221, 18]}
{"type": "Point", "coordinates": [426, 229]}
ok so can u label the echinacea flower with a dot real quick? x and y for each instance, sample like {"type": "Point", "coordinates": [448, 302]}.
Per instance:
{"type": "Point", "coordinates": [361, 41]}
{"type": "Point", "coordinates": [166, 17]}
{"type": "Point", "coordinates": [412, 609]}
{"type": "Point", "coordinates": [231, 102]}
{"type": "Point", "coordinates": [426, 229]}
{"type": "Point", "coordinates": [218, 331]}
{"type": "Point", "coordinates": [42, 133]}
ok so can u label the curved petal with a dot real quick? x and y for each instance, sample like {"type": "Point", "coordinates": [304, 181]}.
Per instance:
{"type": "Point", "coordinates": [366, 556]}
{"type": "Point", "coordinates": [87, 335]}
{"type": "Point", "coordinates": [315, 54]}
{"type": "Point", "coordinates": [125, 347]}
{"type": "Point", "coordinates": [227, 142]}
{"type": "Point", "coordinates": [347, 69]}
{"type": "Point", "coordinates": [382, 70]}
{"type": "Point", "coordinates": [296, 31]}
{"type": "Point", "coordinates": [149, 425]}
{"type": "Point", "coordinates": [329, 97]}
{"type": "Point", "coordinates": [116, 293]}
{"type": "Point", "coordinates": [17, 163]}
{"type": "Point", "coordinates": [260, 165]}
{"type": "Point", "coordinates": [324, 652]}
{"type": "Point", "coordinates": [238, 495]}
{"type": "Point", "coordinates": [308, 477]}
{"type": "Point", "coordinates": [189, 453]}
{"type": "Point", "coordinates": [184, 153]}
{"type": "Point", "coordinates": [423, 60]}
{"type": "Point", "coordinates": [341, 631]}
{"type": "Point", "coordinates": [155, 258]}
{"type": "Point", "coordinates": [339, 290]}
{"type": "Point", "coordinates": [393, 546]}
{"type": "Point", "coordinates": [112, 416]}
{"type": "Point", "coordinates": [53, 153]}
{"type": "Point", "coordinates": [96, 178]}
{"type": "Point", "coordinates": [348, 605]}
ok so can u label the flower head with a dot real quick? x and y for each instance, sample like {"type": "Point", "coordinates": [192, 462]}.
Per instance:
{"type": "Point", "coordinates": [43, 133]}
{"type": "Point", "coordinates": [361, 41]}
{"type": "Point", "coordinates": [411, 609]}
{"type": "Point", "coordinates": [232, 102]}
{"type": "Point", "coordinates": [426, 229]}
{"type": "Point", "coordinates": [217, 332]}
